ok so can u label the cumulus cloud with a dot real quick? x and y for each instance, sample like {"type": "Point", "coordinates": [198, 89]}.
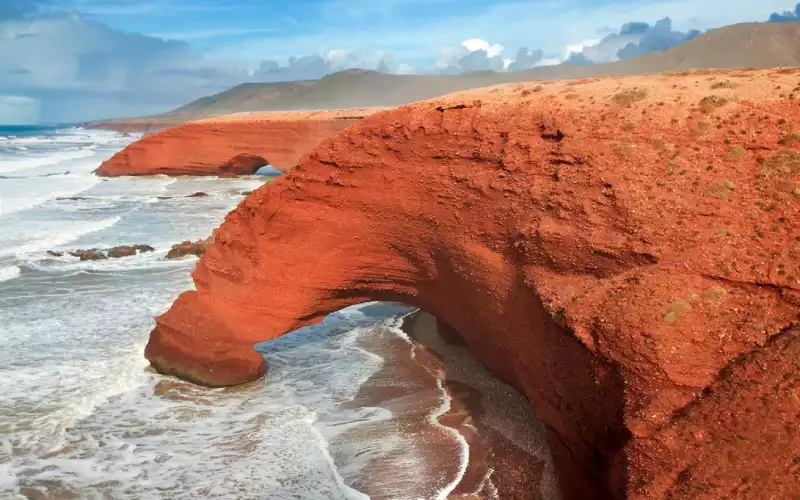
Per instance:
{"type": "Point", "coordinates": [786, 16]}
{"type": "Point", "coordinates": [86, 60]}
{"type": "Point", "coordinates": [316, 66]}
{"type": "Point", "coordinates": [472, 55]}
{"type": "Point", "coordinates": [632, 39]}
{"type": "Point", "coordinates": [298, 68]}
{"type": "Point", "coordinates": [526, 59]}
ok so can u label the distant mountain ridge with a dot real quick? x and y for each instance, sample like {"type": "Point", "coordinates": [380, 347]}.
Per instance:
{"type": "Point", "coordinates": [756, 45]}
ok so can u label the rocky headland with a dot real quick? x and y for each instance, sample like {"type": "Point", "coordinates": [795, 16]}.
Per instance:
{"type": "Point", "coordinates": [623, 251]}
{"type": "Point", "coordinates": [238, 144]}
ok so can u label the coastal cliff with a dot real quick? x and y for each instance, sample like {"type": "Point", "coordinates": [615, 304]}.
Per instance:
{"type": "Point", "coordinates": [237, 144]}
{"type": "Point", "coordinates": [623, 251]}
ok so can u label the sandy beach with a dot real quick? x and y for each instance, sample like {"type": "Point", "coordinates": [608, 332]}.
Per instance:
{"type": "Point", "coordinates": [472, 437]}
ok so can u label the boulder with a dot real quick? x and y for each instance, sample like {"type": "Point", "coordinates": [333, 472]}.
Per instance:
{"type": "Point", "coordinates": [141, 248]}
{"type": "Point", "coordinates": [186, 248]}
{"type": "Point", "coordinates": [121, 251]}
{"type": "Point", "coordinates": [111, 253]}
{"type": "Point", "coordinates": [90, 254]}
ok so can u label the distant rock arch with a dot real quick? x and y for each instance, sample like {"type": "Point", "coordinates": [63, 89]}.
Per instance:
{"type": "Point", "coordinates": [228, 145]}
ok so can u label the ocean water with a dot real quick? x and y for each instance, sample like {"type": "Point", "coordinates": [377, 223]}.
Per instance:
{"type": "Point", "coordinates": [82, 416]}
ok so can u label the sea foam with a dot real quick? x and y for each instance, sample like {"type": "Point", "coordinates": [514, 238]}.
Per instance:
{"type": "Point", "coordinates": [43, 242]}
{"type": "Point", "coordinates": [31, 162]}
{"type": "Point", "coordinates": [9, 273]}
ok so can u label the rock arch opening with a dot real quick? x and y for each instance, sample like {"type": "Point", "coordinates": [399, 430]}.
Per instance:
{"type": "Point", "coordinates": [268, 170]}
{"type": "Point", "coordinates": [415, 403]}
{"type": "Point", "coordinates": [525, 225]}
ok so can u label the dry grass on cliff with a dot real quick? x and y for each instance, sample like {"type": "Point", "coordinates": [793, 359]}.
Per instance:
{"type": "Point", "coordinates": [628, 97]}
{"type": "Point", "coordinates": [726, 84]}
{"type": "Point", "coordinates": [710, 103]}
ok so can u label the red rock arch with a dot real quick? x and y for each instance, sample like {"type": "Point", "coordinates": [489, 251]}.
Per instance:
{"type": "Point", "coordinates": [562, 244]}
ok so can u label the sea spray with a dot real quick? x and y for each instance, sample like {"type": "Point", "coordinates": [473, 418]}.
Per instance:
{"type": "Point", "coordinates": [9, 273]}
{"type": "Point", "coordinates": [42, 242]}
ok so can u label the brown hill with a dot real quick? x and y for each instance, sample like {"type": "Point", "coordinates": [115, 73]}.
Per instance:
{"type": "Point", "coordinates": [342, 90]}
{"type": "Point", "coordinates": [757, 45]}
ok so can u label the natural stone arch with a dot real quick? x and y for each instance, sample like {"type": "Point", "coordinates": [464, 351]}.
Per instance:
{"type": "Point", "coordinates": [549, 240]}
{"type": "Point", "coordinates": [237, 144]}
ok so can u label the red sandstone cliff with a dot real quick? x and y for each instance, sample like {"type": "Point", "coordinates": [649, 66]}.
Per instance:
{"type": "Point", "coordinates": [625, 252]}
{"type": "Point", "coordinates": [211, 147]}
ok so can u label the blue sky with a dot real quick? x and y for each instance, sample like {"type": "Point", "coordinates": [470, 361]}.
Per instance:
{"type": "Point", "coordinates": [414, 30]}
{"type": "Point", "coordinates": [66, 60]}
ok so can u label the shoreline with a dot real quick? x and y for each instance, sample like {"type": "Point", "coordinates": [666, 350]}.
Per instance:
{"type": "Point", "coordinates": [465, 443]}
{"type": "Point", "coordinates": [510, 457]}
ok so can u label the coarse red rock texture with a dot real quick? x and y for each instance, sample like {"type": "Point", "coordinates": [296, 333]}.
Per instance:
{"type": "Point", "coordinates": [242, 164]}
{"type": "Point", "coordinates": [623, 251]}
{"type": "Point", "coordinates": [231, 145]}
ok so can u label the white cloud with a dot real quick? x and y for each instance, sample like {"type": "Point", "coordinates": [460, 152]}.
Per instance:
{"type": "Point", "coordinates": [551, 61]}
{"type": "Point", "coordinates": [476, 44]}
{"type": "Point", "coordinates": [316, 66]}
{"type": "Point", "coordinates": [404, 69]}
{"type": "Point", "coordinates": [474, 54]}
{"type": "Point", "coordinates": [64, 57]}
{"type": "Point", "coordinates": [339, 57]}
{"type": "Point", "coordinates": [577, 48]}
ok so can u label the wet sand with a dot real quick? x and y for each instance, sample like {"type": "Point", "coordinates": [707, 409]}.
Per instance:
{"type": "Point", "coordinates": [468, 435]}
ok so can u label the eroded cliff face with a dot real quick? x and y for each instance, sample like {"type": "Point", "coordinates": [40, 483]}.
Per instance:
{"type": "Point", "coordinates": [217, 146]}
{"type": "Point", "coordinates": [623, 251]}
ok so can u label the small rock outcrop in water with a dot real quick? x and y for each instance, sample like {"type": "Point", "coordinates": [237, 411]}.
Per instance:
{"type": "Point", "coordinates": [111, 253]}
{"type": "Point", "coordinates": [623, 254]}
{"type": "Point", "coordinates": [198, 194]}
{"type": "Point", "coordinates": [90, 254]}
{"type": "Point", "coordinates": [229, 145]}
{"type": "Point", "coordinates": [186, 248]}
{"type": "Point", "coordinates": [128, 251]}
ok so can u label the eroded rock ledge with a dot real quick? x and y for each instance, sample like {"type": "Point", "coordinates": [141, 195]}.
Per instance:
{"type": "Point", "coordinates": [623, 251]}
{"type": "Point", "coordinates": [231, 145]}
